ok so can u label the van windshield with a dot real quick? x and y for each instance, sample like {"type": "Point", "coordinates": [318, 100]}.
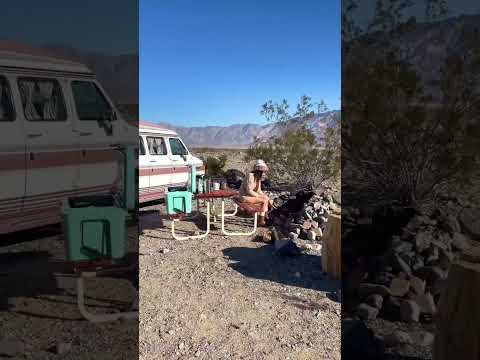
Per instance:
{"type": "Point", "coordinates": [177, 147]}
{"type": "Point", "coordinates": [90, 102]}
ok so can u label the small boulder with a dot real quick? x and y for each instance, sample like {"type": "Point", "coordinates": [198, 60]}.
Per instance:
{"type": "Point", "coordinates": [417, 284]}
{"type": "Point", "coordinates": [450, 223]}
{"type": "Point", "coordinates": [426, 303]}
{"type": "Point", "coordinates": [431, 273]}
{"type": "Point", "coordinates": [311, 235]}
{"type": "Point", "coordinates": [399, 287]}
{"type": "Point", "coordinates": [423, 240]}
{"type": "Point", "coordinates": [62, 348]}
{"type": "Point", "coordinates": [307, 225]}
{"type": "Point", "coordinates": [460, 241]}
{"type": "Point", "coordinates": [391, 308]}
{"type": "Point", "coordinates": [400, 265]}
{"type": "Point", "coordinates": [366, 289]}
{"type": "Point", "coordinates": [375, 300]}
{"type": "Point", "coordinates": [409, 311]}
{"type": "Point", "coordinates": [367, 312]}
{"type": "Point", "coordinates": [397, 338]}
{"type": "Point", "coordinates": [11, 348]}
{"type": "Point", "coordinates": [470, 222]}
{"type": "Point", "coordinates": [423, 338]}
{"type": "Point", "coordinates": [293, 236]}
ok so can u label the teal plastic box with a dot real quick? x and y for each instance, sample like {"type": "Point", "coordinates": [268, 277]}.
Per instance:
{"type": "Point", "coordinates": [178, 201]}
{"type": "Point", "coordinates": [95, 232]}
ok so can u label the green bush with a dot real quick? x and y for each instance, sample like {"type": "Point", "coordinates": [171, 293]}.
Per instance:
{"type": "Point", "coordinates": [215, 166]}
{"type": "Point", "coordinates": [295, 157]}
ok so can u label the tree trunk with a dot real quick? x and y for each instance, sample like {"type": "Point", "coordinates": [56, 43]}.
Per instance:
{"type": "Point", "coordinates": [331, 247]}
{"type": "Point", "coordinates": [458, 318]}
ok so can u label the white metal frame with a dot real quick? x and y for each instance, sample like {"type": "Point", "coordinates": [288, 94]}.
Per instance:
{"type": "Point", "coordinates": [97, 318]}
{"type": "Point", "coordinates": [223, 215]}
{"type": "Point", "coordinates": [192, 236]}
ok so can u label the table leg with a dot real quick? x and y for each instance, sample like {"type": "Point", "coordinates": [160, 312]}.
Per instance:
{"type": "Point", "coordinates": [237, 233]}
{"type": "Point", "coordinates": [193, 236]}
{"type": "Point", "coordinates": [97, 318]}
{"type": "Point", "coordinates": [233, 213]}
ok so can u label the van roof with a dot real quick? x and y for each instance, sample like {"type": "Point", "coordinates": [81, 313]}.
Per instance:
{"type": "Point", "coordinates": [146, 126]}
{"type": "Point", "coordinates": [9, 59]}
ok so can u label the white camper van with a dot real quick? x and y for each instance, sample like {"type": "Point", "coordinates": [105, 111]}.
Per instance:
{"type": "Point", "coordinates": [164, 162]}
{"type": "Point", "coordinates": [57, 130]}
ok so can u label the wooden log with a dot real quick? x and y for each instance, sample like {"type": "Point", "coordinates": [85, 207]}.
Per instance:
{"type": "Point", "coordinates": [331, 247]}
{"type": "Point", "coordinates": [458, 317]}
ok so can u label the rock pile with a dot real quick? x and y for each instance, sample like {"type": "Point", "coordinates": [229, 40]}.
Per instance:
{"type": "Point", "coordinates": [301, 217]}
{"type": "Point", "coordinates": [405, 282]}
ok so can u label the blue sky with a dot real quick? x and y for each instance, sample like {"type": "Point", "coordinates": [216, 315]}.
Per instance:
{"type": "Point", "coordinates": [214, 62]}
{"type": "Point", "coordinates": [107, 26]}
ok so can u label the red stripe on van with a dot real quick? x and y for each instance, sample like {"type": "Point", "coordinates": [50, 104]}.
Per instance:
{"type": "Point", "coordinates": [56, 194]}
{"type": "Point", "coordinates": [47, 159]}
{"type": "Point", "coordinates": [69, 158]}
{"type": "Point", "coordinates": [166, 170]}
{"type": "Point", "coordinates": [12, 162]}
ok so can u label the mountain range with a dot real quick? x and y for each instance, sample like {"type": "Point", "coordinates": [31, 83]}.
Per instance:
{"type": "Point", "coordinates": [240, 136]}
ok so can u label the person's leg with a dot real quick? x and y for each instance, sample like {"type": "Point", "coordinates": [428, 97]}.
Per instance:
{"type": "Point", "coordinates": [257, 200]}
{"type": "Point", "coordinates": [270, 202]}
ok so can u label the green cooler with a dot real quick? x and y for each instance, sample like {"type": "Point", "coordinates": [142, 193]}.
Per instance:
{"type": "Point", "coordinates": [178, 201]}
{"type": "Point", "coordinates": [95, 228]}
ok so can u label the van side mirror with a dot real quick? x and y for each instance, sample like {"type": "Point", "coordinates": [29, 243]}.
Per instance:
{"type": "Point", "coordinates": [109, 115]}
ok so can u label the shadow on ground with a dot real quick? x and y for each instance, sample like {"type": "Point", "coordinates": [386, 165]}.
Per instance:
{"type": "Point", "coordinates": [39, 271]}
{"type": "Point", "coordinates": [301, 271]}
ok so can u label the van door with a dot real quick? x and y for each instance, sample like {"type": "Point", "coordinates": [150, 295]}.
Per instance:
{"type": "Point", "coordinates": [12, 158]}
{"type": "Point", "coordinates": [93, 113]}
{"type": "Point", "coordinates": [51, 161]}
{"type": "Point", "coordinates": [179, 158]}
{"type": "Point", "coordinates": [159, 162]}
{"type": "Point", "coordinates": [101, 166]}
{"type": "Point", "coordinates": [144, 171]}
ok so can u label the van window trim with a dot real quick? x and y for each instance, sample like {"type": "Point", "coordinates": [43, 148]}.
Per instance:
{"type": "Point", "coordinates": [179, 139]}
{"type": "Point", "coordinates": [142, 145]}
{"type": "Point", "coordinates": [19, 78]}
{"type": "Point", "coordinates": [165, 142]}
{"type": "Point", "coordinates": [99, 89]}
{"type": "Point", "coordinates": [7, 81]}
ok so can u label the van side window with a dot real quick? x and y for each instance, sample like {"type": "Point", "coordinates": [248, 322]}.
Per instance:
{"type": "Point", "coordinates": [42, 99]}
{"type": "Point", "coordinates": [177, 147]}
{"type": "Point", "coordinates": [7, 112]}
{"type": "Point", "coordinates": [90, 102]}
{"type": "Point", "coordinates": [142, 146]}
{"type": "Point", "coordinates": [156, 146]}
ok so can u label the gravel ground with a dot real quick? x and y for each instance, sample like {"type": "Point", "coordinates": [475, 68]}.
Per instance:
{"type": "Point", "coordinates": [231, 297]}
{"type": "Point", "coordinates": [39, 318]}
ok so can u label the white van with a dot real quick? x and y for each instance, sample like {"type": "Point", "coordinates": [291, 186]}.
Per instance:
{"type": "Point", "coordinates": [57, 130]}
{"type": "Point", "coordinates": [164, 162]}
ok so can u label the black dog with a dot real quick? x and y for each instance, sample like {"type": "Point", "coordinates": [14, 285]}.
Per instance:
{"type": "Point", "coordinates": [293, 205]}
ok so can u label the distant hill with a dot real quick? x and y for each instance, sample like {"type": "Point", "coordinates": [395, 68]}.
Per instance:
{"type": "Point", "coordinates": [240, 136]}
{"type": "Point", "coordinates": [428, 45]}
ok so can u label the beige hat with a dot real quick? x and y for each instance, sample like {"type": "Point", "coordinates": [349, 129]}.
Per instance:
{"type": "Point", "coordinates": [260, 166]}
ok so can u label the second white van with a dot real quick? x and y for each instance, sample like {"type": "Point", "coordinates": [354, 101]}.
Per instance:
{"type": "Point", "coordinates": [164, 162]}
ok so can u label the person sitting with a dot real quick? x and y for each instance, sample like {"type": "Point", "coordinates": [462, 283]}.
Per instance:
{"type": "Point", "coordinates": [251, 190]}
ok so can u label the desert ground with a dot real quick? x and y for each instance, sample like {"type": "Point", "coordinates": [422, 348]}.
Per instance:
{"type": "Point", "coordinates": [231, 297]}
{"type": "Point", "coordinates": [214, 298]}
{"type": "Point", "coordinates": [39, 317]}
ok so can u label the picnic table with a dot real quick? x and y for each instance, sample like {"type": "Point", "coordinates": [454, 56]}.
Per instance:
{"type": "Point", "coordinates": [210, 198]}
